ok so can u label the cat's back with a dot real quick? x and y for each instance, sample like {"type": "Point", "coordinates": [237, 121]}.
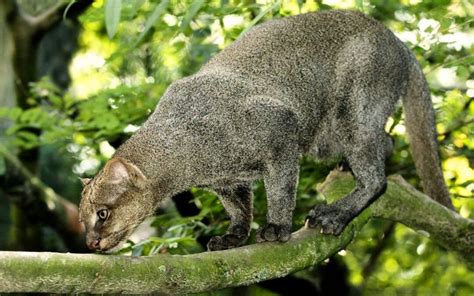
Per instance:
{"type": "Point", "coordinates": [293, 46]}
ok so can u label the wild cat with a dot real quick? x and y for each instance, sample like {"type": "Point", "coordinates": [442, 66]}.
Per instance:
{"type": "Point", "coordinates": [321, 84]}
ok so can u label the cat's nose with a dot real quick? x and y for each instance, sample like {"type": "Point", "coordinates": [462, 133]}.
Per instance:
{"type": "Point", "coordinates": [94, 244]}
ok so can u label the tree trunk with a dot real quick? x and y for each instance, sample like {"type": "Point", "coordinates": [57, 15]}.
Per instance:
{"type": "Point", "coordinates": [7, 87]}
{"type": "Point", "coordinates": [178, 274]}
{"type": "Point", "coordinates": [22, 34]}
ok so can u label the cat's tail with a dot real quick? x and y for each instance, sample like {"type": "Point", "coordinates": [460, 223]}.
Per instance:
{"type": "Point", "coordinates": [421, 128]}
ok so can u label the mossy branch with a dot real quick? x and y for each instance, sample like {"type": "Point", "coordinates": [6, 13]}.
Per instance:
{"type": "Point", "coordinates": [173, 274]}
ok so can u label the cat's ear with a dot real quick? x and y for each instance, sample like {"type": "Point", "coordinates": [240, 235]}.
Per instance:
{"type": "Point", "coordinates": [85, 181]}
{"type": "Point", "coordinates": [120, 171]}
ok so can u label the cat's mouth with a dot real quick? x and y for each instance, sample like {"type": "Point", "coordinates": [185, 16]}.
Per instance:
{"type": "Point", "coordinates": [114, 241]}
{"type": "Point", "coordinates": [113, 248]}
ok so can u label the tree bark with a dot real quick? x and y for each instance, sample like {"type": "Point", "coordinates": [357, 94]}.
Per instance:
{"type": "Point", "coordinates": [173, 274]}
{"type": "Point", "coordinates": [7, 88]}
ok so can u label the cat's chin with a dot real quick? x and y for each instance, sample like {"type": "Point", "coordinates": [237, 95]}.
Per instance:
{"type": "Point", "coordinates": [114, 242]}
{"type": "Point", "coordinates": [115, 248]}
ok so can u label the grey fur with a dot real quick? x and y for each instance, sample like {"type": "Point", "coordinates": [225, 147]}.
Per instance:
{"type": "Point", "coordinates": [322, 84]}
{"type": "Point", "coordinates": [237, 201]}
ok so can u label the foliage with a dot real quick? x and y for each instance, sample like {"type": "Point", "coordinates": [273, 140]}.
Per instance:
{"type": "Point", "coordinates": [117, 82]}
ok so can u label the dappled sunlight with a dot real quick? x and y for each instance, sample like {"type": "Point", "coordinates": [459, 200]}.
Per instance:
{"type": "Point", "coordinates": [459, 169]}
{"type": "Point", "coordinates": [117, 82]}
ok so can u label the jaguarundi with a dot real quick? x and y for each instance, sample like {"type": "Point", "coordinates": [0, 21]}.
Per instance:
{"type": "Point", "coordinates": [320, 84]}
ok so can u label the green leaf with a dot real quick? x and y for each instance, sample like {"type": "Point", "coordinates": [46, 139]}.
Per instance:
{"type": "Point", "coordinates": [137, 6]}
{"type": "Point", "coordinates": [57, 101]}
{"type": "Point", "coordinates": [30, 115]}
{"type": "Point", "coordinates": [429, 30]}
{"type": "Point", "coordinates": [154, 17]}
{"type": "Point", "coordinates": [11, 113]}
{"type": "Point", "coordinates": [112, 16]}
{"type": "Point", "coordinates": [445, 23]}
{"type": "Point", "coordinates": [300, 4]}
{"type": "Point", "coordinates": [462, 72]}
{"type": "Point", "coordinates": [26, 139]}
{"type": "Point", "coordinates": [192, 11]}
{"type": "Point", "coordinates": [359, 4]}
{"type": "Point", "coordinates": [260, 16]}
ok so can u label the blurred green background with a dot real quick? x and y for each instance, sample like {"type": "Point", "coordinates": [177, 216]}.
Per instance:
{"type": "Point", "coordinates": [96, 77]}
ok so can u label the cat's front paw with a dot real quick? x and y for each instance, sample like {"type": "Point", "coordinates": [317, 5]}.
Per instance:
{"type": "Point", "coordinates": [331, 219]}
{"type": "Point", "coordinates": [273, 232]}
{"type": "Point", "coordinates": [224, 242]}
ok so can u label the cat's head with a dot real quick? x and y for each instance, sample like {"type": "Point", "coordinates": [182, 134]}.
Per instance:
{"type": "Point", "coordinates": [114, 203]}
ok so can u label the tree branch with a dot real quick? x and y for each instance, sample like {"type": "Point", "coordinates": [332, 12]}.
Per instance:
{"type": "Point", "coordinates": [173, 274]}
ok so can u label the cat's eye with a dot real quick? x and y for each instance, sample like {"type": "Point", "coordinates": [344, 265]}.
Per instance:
{"type": "Point", "coordinates": [103, 214]}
